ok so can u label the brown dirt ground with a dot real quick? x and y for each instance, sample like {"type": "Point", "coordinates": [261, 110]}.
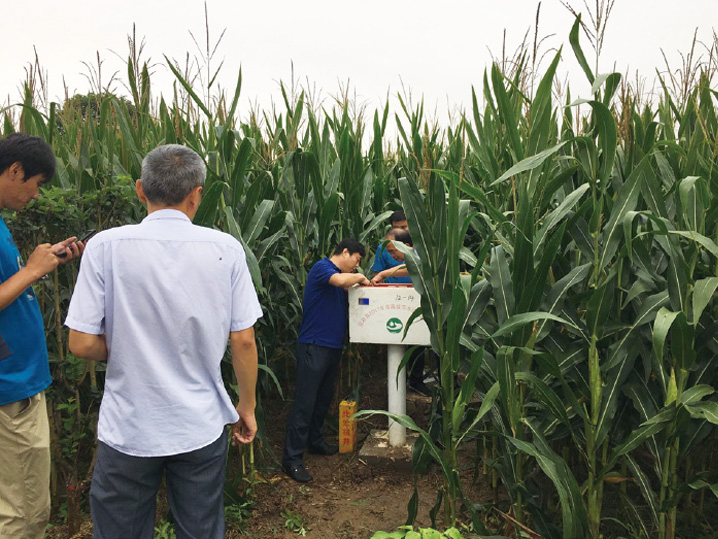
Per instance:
{"type": "Point", "coordinates": [348, 497]}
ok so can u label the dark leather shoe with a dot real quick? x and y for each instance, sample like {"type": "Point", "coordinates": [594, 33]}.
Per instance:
{"type": "Point", "coordinates": [324, 449]}
{"type": "Point", "coordinates": [298, 473]}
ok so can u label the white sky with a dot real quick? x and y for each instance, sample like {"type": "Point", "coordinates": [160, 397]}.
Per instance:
{"type": "Point", "coordinates": [439, 49]}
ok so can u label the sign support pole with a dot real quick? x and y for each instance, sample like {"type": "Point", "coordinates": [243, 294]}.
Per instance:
{"type": "Point", "coordinates": [397, 393]}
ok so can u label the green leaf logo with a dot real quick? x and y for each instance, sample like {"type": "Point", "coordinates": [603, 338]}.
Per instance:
{"type": "Point", "coordinates": [394, 325]}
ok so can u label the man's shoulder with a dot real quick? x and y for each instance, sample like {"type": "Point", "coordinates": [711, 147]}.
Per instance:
{"type": "Point", "coordinates": [324, 265]}
{"type": "Point", "coordinates": [114, 233]}
{"type": "Point", "coordinates": [218, 237]}
{"type": "Point", "coordinates": [191, 233]}
{"type": "Point", "coordinates": [323, 262]}
{"type": "Point", "coordinates": [320, 273]}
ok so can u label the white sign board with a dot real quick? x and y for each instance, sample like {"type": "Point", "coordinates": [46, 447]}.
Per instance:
{"type": "Point", "coordinates": [379, 315]}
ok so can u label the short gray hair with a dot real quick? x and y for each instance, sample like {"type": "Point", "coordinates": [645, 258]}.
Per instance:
{"type": "Point", "coordinates": [170, 172]}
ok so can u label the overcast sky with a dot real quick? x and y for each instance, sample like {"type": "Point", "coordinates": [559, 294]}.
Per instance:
{"type": "Point", "coordinates": [437, 49]}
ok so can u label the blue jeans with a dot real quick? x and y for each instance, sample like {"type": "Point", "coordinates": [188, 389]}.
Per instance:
{"type": "Point", "coordinates": [317, 368]}
{"type": "Point", "coordinates": [124, 489]}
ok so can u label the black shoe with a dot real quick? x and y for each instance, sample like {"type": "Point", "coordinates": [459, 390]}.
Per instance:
{"type": "Point", "coordinates": [298, 473]}
{"type": "Point", "coordinates": [324, 449]}
{"type": "Point", "coordinates": [421, 388]}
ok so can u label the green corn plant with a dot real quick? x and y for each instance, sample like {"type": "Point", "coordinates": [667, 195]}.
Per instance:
{"type": "Point", "coordinates": [676, 417]}
{"type": "Point", "coordinates": [519, 270]}
{"type": "Point", "coordinates": [438, 229]}
{"type": "Point", "coordinates": [566, 262]}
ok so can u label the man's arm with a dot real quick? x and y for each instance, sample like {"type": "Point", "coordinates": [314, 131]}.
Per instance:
{"type": "Point", "coordinates": [397, 271]}
{"type": "Point", "coordinates": [347, 280]}
{"type": "Point", "coordinates": [244, 361]}
{"type": "Point", "coordinates": [41, 262]}
{"type": "Point", "coordinates": [88, 346]}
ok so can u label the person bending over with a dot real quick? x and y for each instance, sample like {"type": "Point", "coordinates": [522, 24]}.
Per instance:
{"type": "Point", "coordinates": [388, 256]}
{"type": "Point", "coordinates": [396, 272]}
{"type": "Point", "coordinates": [319, 349]}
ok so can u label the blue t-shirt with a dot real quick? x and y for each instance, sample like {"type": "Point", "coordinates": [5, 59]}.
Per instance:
{"type": "Point", "coordinates": [383, 260]}
{"type": "Point", "coordinates": [325, 318]}
{"type": "Point", "coordinates": [25, 371]}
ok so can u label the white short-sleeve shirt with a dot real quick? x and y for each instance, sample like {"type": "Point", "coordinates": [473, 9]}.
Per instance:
{"type": "Point", "coordinates": [166, 293]}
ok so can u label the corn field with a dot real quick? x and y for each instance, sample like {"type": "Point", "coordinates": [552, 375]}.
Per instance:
{"type": "Point", "coordinates": [566, 257]}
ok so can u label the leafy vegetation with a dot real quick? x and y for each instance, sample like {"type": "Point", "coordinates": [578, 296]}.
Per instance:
{"type": "Point", "coordinates": [294, 522]}
{"type": "Point", "coordinates": [408, 532]}
{"type": "Point", "coordinates": [565, 256]}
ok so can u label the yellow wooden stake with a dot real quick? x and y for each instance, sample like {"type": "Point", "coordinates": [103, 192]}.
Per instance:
{"type": "Point", "coordinates": [347, 426]}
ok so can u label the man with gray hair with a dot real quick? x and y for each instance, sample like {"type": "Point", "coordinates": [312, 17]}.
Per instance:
{"type": "Point", "coordinates": [159, 301]}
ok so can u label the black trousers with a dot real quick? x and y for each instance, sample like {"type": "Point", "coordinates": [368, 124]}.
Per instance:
{"type": "Point", "coordinates": [317, 368]}
{"type": "Point", "coordinates": [416, 366]}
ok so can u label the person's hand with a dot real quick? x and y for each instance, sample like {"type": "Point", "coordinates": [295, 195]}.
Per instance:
{"type": "Point", "coordinates": [42, 260]}
{"type": "Point", "coordinates": [244, 430]}
{"type": "Point", "coordinates": [378, 278]}
{"type": "Point", "coordinates": [68, 249]}
{"type": "Point", "coordinates": [365, 281]}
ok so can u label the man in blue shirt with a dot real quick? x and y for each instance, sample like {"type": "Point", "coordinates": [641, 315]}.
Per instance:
{"type": "Point", "coordinates": [388, 256]}
{"type": "Point", "coordinates": [389, 267]}
{"type": "Point", "coordinates": [319, 349]}
{"type": "Point", "coordinates": [25, 164]}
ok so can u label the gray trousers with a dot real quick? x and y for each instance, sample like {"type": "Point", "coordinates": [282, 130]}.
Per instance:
{"type": "Point", "coordinates": [124, 489]}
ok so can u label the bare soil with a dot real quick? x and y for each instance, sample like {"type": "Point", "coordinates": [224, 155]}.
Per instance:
{"type": "Point", "coordinates": [348, 497]}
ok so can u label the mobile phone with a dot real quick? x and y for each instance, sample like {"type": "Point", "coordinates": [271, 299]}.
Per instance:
{"type": "Point", "coordinates": [86, 236]}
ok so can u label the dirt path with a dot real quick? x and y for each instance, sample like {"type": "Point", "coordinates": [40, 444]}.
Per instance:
{"type": "Point", "coordinates": [348, 497]}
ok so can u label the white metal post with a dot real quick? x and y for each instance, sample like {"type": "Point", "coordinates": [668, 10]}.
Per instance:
{"type": "Point", "coordinates": [397, 393]}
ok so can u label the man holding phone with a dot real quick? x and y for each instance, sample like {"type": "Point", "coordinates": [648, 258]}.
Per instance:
{"type": "Point", "coordinates": [26, 163]}
{"type": "Point", "coordinates": [83, 239]}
